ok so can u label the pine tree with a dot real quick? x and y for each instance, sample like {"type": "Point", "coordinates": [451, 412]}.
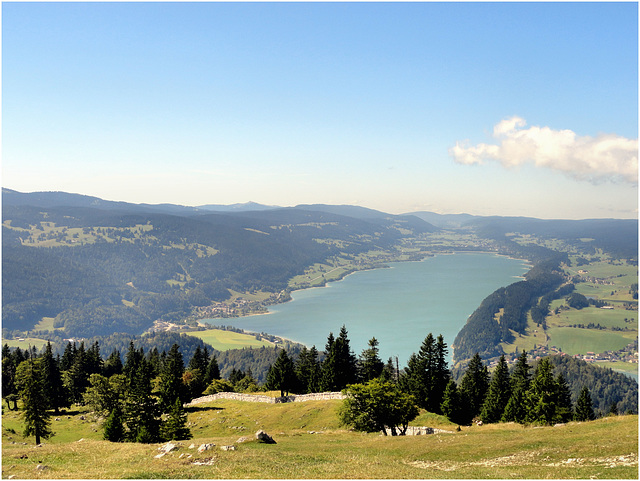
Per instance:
{"type": "Point", "coordinates": [542, 396]}
{"type": "Point", "coordinates": [565, 408]}
{"type": "Point", "coordinates": [52, 386]}
{"type": "Point", "coordinates": [516, 410]}
{"type": "Point", "coordinates": [213, 371]}
{"type": "Point", "coordinates": [417, 378]}
{"type": "Point", "coordinates": [76, 378]}
{"type": "Point", "coordinates": [584, 406]}
{"type": "Point", "coordinates": [474, 386]}
{"type": "Point", "coordinates": [441, 375]}
{"type": "Point", "coordinates": [339, 367]}
{"type": "Point", "coordinates": [281, 375]}
{"type": "Point", "coordinates": [175, 427]}
{"type": "Point", "coordinates": [141, 411]}
{"type": "Point", "coordinates": [370, 365]}
{"type": "Point", "coordinates": [307, 369]}
{"type": "Point", "coordinates": [498, 394]}
{"type": "Point", "coordinates": [451, 405]}
{"type": "Point", "coordinates": [171, 385]}
{"type": "Point", "coordinates": [113, 364]}
{"type": "Point", "coordinates": [346, 362]}
{"type": "Point", "coordinates": [29, 383]}
{"type": "Point", "coordinates": [114, 427]}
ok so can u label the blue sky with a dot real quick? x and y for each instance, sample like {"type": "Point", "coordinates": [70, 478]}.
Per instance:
{"type": "Point", "coordinates": [485, 108]}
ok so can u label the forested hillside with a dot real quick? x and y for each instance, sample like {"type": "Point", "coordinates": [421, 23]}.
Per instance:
{"type": "Point", "coordinates": [100, 267]}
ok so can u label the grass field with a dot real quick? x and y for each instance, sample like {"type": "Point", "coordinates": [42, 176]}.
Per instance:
{"type": "Point", "coordinates": [311, 444]}
{"type": "Point", "coordinates": [580, 341]}
{"type": "Point", "coordinates": [28, 341]}
{"type": "Point", "coordinates": [224, 340]}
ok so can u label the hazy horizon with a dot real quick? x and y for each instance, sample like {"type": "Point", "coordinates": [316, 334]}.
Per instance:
{"type": "Point", "coordinates": [511, 109]}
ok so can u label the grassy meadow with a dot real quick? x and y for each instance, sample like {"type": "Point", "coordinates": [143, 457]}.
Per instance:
{"type": "Point", "coordinates": [224, 340]}
{"type": "Point", "coordinates": [311, 444]}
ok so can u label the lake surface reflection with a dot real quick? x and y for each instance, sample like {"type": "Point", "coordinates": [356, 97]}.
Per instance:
{"type": "Point", "coordinates": [399, 305]}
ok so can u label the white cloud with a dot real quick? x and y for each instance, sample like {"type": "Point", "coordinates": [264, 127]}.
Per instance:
{"type": "Point", "coordinates": [604, 157]}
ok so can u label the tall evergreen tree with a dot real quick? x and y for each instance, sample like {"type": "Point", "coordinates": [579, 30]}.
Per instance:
{"type": "Point", "coordinates": [175, 427]}
{"type": "Point", "coordinates": [76, 378]}
{"type": "Point", "coordinates": [370, 365]}
{"type": "Point", "coordinates": [307, 369]}
{"type": "Point", "coordinates": [340, 365]}
{"type": "Point", "coordinates": [171, 385]}
{"type": "Point", "coordinates": [113, 426]}
{"type": "Point", "coordinates": [474, 386]}
{"type": "Point", "coordinates": [542, 396]}
{"type": "Point", "coordinates": [141, 411]}
{"type": "Point", "coordinates": [441, 375]}
{"type": "Point", "coordinates": [281, 375]}
{"type": "Point", "coordinates": [68, 356]}
{"type": "Point", "coordinates": [198, 360]}
{"type": "Point", "coordinates": [418, 376]}
{"type": "Point", "coordinates": [565, 408]}
{"type": "Point", "coordinates": [29, 382]}
{"type": "Point", "coordinates": [498, 394]}
{"type": "Point", "coordinates": [584, 406]}
{"type": "Point", "coordinates": [516, 409]}
{"type": "Point", "coordinates": [52, 386]}
{"type": "Point", "coordinates": [451, 406]}
{"type": "Point", "coordinates": [213, 371]}
{"type": "Point", "coordinates": [113, 364]}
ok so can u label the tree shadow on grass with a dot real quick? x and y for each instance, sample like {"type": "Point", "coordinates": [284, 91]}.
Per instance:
{"type": "Point", "coordinates": [198, 409]}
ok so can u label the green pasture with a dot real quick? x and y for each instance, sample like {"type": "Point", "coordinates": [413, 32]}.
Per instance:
{"type": "Point", "coordinates": [580, 341]}
{"type": "Point", "coordinates": [310, 444]}
{"type": "Point", "coordinates": [28, 342]}
{"type": "Point", "coordinates": [605, 317]}
{"type": "Point", "coordinates": [224, 340]}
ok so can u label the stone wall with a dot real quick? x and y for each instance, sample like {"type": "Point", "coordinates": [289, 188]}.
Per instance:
{"type": "Point", "coordinates": [256, 398]}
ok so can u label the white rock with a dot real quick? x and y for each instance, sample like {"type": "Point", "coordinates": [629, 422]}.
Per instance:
{"type": "Point", "coordinates": [167, 448]}
{"type": "Point", "coordinates": [205, 447]}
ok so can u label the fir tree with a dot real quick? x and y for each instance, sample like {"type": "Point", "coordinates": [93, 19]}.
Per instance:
{"type": "Point", "coordinates": [339, 366]}
{"type": "Point", "coordinates": [114, 427]}
{"type": "Point", "coordinates": [451, 405]}
{"type": "Point", "coordinates": [52, 386]}
{"type": "Point", "coordinates": [474, 386]}
{"type": "Point", "coordinates": [498, 394]}
{"type": "Point", "coordinates": [516, 410]}
{"type": "Point", "coordinates": [113, 364]}
{"type": "Point", "coordinates": [213, 371]}
{"type": "Point", "coordinates": [29, 383]}
{"type": "Point", "coordinates": [542, 396]}
{"type": "Point", "coordinates": [307, 368]}
{"type": "Point", "coordinates": [370, 366]}
{"type": "Point", "coordinates": [175, 427]}
{"type": "Point", "coordinates": [171, 385]}
{"type": "Point", "coordinates": [281, 374]}
{"type": "Point", "coordinates": [584, 406]}
{"type": "Point", "coordinates": [141, 413]}
{"type": "Point", "coordinates": [76, 378]}
{"type": "Point", "coordinates": [441, 375]}
{"type": "Point", "coordinates": [565, 408]}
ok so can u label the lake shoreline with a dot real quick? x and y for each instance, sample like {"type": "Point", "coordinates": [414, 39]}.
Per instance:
{"type": "Point", "coordinates": [438, 297]}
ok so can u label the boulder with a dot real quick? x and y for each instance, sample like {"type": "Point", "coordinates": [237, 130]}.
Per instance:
{"type": "Point", "coordinates": [263, 437]}
{"type": "Point", "coordinates": [228, 448]}
{"type": "Point", "coordinates": [167, 448]}
{"type": "Point", "coordinates": [205, 447]}
{"type": "Point", "coordinates": [243, 439]}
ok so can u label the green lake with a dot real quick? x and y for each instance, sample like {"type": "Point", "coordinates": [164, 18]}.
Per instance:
{"type": "Point", "coordinates": [398, 306]}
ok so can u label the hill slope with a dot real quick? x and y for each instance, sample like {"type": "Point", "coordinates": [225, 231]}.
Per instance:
{"type": "Point", "coordinates": [311, 445]}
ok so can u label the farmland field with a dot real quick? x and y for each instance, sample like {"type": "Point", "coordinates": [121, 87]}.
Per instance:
{"type": "Point", "coordinates": [580, 341]}
{"type": "Point", "coordinates": [224, 340]}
